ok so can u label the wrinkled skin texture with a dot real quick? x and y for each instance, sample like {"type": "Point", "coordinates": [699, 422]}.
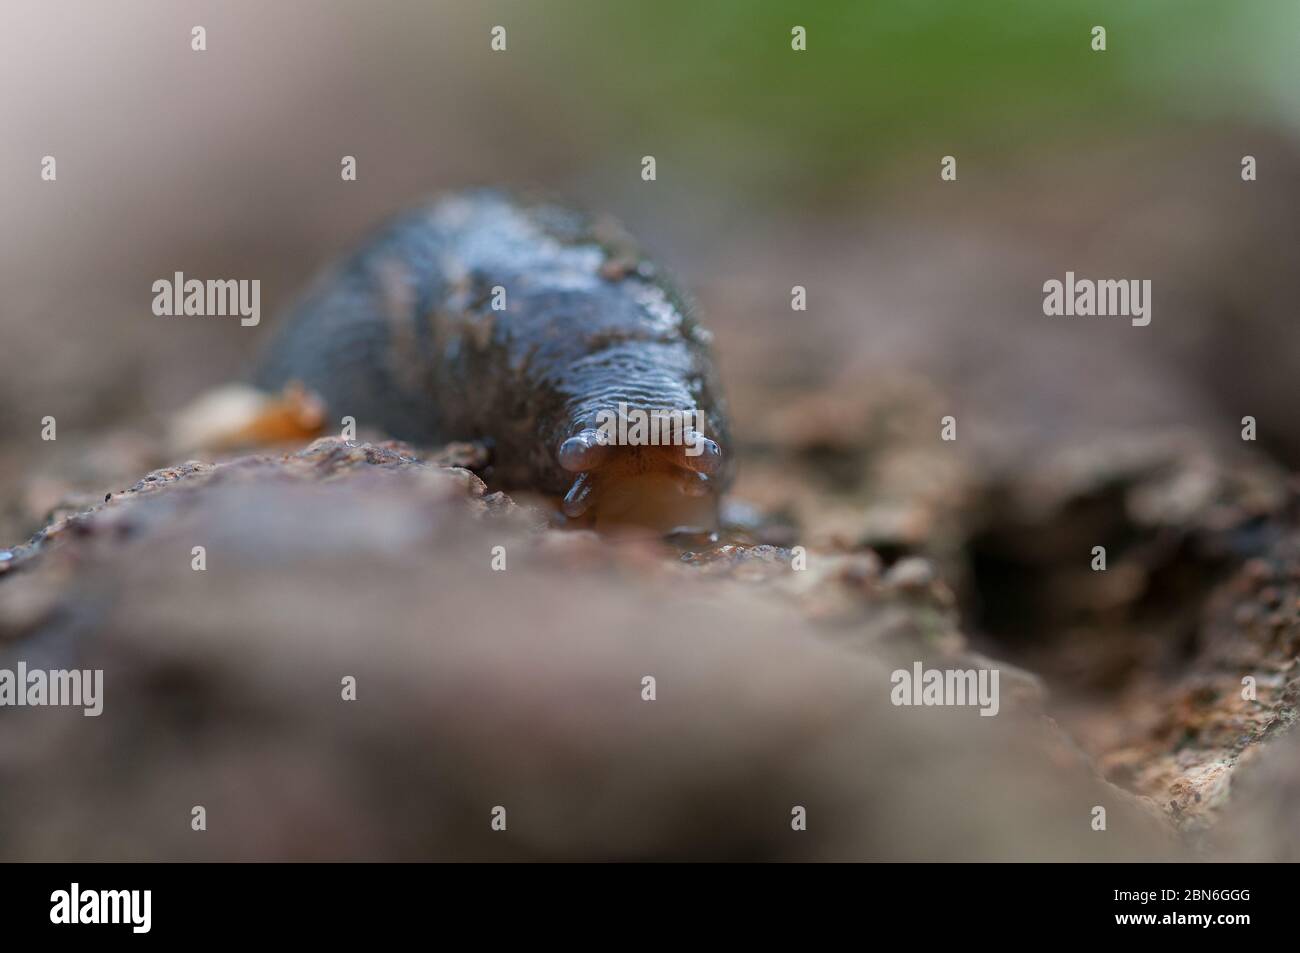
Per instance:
{"type": "Point", "coordinates": [402, 336]}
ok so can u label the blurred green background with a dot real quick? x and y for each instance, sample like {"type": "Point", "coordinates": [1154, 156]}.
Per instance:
{"type": "Point", "coordinates": [885, 79]}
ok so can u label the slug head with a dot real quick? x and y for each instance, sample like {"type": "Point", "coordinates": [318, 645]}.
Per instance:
{"type": "Point", "coordinates": [661, 487]}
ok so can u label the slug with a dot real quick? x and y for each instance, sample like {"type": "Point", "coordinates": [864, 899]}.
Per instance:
{"type": "Point", "coordinates": [542, 332]}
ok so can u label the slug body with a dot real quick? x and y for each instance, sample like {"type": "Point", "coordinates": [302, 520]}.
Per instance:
{"type": "Point", "coordinates": [530, 327]}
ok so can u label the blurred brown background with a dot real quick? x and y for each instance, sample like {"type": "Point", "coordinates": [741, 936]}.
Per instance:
{"type": "Point", "coordinates": [775, 168]}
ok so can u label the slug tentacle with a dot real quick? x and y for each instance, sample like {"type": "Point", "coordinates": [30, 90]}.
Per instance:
{"type": "Point", "coordinates": [701, 454]}
{"type": "Point", "coordinates": [586, 450]}
{"type": "Point", "coordinates": [579, 497]}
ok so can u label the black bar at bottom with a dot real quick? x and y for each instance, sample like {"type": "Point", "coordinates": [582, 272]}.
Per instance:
{"type": "Point", "coordinates": [332, 903]}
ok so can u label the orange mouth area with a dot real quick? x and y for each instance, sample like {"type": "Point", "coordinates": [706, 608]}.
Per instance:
{"type": "Point", "coordinates": [643, 488]}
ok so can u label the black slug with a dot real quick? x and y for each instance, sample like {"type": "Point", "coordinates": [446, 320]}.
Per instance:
{"type": "Point", "coordinates": [533, 328]}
